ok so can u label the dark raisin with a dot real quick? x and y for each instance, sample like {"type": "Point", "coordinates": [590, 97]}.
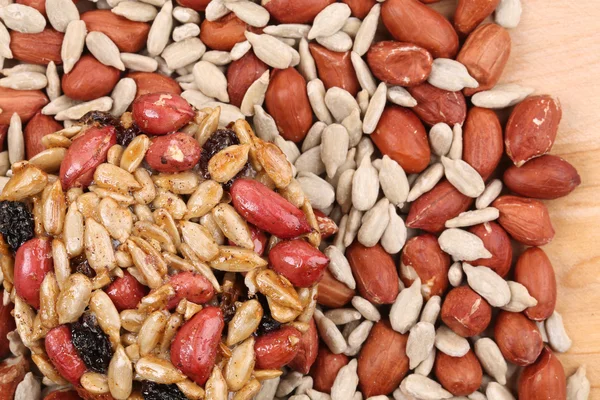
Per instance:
{"type": "Point", "coordinates": [267, 323]}
{"type": "Point", "coordinates": [80, 264]}
{"type": "Point", "coordinates": [91, 343]}
{"type": "Point", "coordinates": [218, 141]}
{"type": "Point", "coordinates": [125, 136]}
{"type": "Point", "coordinates": [229, 297]}
{"type": "Point", "coordinates": [157, 391]}
{"type": "Point", "coordinates": [98, 118]}
{"type": "Point", "coordinates": [16, 223]}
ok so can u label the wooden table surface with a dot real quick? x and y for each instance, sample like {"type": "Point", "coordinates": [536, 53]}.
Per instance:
{"type": "Point", "coordinates": [556, 50]}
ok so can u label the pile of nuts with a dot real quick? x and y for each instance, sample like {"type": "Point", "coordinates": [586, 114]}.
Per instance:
{"type": "Point", "coordinates": [354, 240]}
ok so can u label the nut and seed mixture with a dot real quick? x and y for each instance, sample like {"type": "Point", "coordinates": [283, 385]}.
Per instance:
{"type": "Point", "coordinates": [286, 199]}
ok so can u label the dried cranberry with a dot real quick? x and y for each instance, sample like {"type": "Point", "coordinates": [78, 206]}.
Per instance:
{"type": "Point", "coordinates": [219, 140]}
{"type": "Point", "coordinates": [91, 343]}
{"type": "Point", "coordinates": [157, 391]}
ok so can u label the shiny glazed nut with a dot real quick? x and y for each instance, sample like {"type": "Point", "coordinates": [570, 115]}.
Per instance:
{"type": "Point", "coordinates": [176, 152]}
{"type": "Point", "coordinates": [307, 350]}
{"type": "Point", "coordinates": [194, 348]}
{"type": "Point", "coordinates": [298, 261]}
{"type": "Point", "coordinates": [161, 113]}
{"type": "Point", "coordinates": [401, 136]}
{"type": "Point", "coordinates": [191, 286]}
{"type": "Point", "coordinates": [398, 63]}
{"type": "Point", "coordinates": [267, 210]}
{"type": "Point", "coordinates": [89, 79]}
{"type": "Point", "coordinates": [422, 257]}
{"type": "Point", "coordinates": [126, 292]}
{"type": "Point", "coordinates": [375, 273]}
{"type": "Point", "coordinates": [408, 20]}
{"type": "Point", "coordinates": [32, 262]}
{"type": "Point", "coordinates": [466, 312]}
{"type": "Point", "coordinates": [277, 348]}
{"type": "Point", "coordinates": [335, 68]}
{"type": "Point", "coordinates": [84, 155]}
{"type": "Point", "coordinates": [7, 324]}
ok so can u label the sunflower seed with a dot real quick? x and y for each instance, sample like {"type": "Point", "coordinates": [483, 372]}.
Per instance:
{"type": "Point", "coordinates": [158, 370]}
{"type": "Point", "coordinates": [393, 181]}
{"type": "Point", "coordinates": [365, 78]}
{"type": "Point", "coordinates": [138, 62]}
{"type": "Point", "coordinates": [22, 18]}
{"type": "Point", "coordinates": [316, 95]}
{"type": "Point", "coordinates": [340, 103]}
{"type": "Point", "coordinates": [307, 65]}
{"type": "Point", "coordinates": [160, 31]}
{"type": "Point", "coordinates": [215, 10]}
{"type": "Point", "coordinates": [186, 15]}
{"type": "Point", "coordinates": [330, 334]}
{"type": "Point", "coordinates": [270, 50]}
{"type": "Point", "coordinates": [456, 149]}
{"type": "Point", "coordinates": [305, 384]}
{"type": "Point", "coordinates": [400, 96]}
{"type": "Point", "coordinates": [120, 375]}
{"type": "Point", "coordinates": [365, 186]}
{"type": "Point", "coordinates": [346, 381]}
{"type": "Point", "coordinates": [318, 191]}
{"type": "Point", "coordinates": [557, 335]}
{"type": "Point", "coordinates": [423, 388]}
{"type": "Point", "coordinates": [374, 223]}
{"type": "Point", "coordinates": [255, 95]}
{"type": "Point", "coordinates": [455, 274]}
{"type": "Point", "coordinates": [463, 177]}
{"type": "Point", "coordinates": [135, 11]}
{"type": "Point", "coordinates": [339, 42]}
{"type": "Point", "coordinates": [239, 49]}
{"type": "Point", "coordinates": [79, 110]}
{"type": "Point", "coordinates": [295, 31]}
{"type": "Point", "coordinates": [488, 284]}
{"type": "Point", "coordinates": [501, 96]}
{"type": "Point", "coordinates": [330, 20]}
{"type": "Point", "coordinates": [210, 80]}
{"type": "Point", "coordinates": [508, 13]}
{"type": "Point", "coordinates": [73, 43]}
{"type": "Point", "coordinates": [491, 359]}
{"type": "Point", "coordinates": [315, 395]}
{"type": "Point", "coordinates": [431, 310]}
{"type": "Point", "coordinates": [344, 190]}
{"type": "Point", "coordinates": [61, 13]}
{"type": "Point", "coordinates": [249, 12]}
{"type": "Point", "coordinates": [352, 226]}
{"type": "Point", "coordinates": [440, 139]}
{"type": "Point", "coordinates": [186, 31]}
{"type": "Point", "coordinates": [334, 147]}
{"type": "Point", "coordinates": [219, 58]}
{"type": "Point", "coordinates": [264, 125]}
{"type": "Point", "coordinates": [343, 316]}
{"type": "Point", "coordinates": [73, 298]}
{"type": "Point", "coordinates": [407, 307]}
{"type": "Point", "coordinates": [394, 236]}
{"type": "Point", "coordinates": [496, 391]}
{"type": "Point", "coordinates": [123, 95]}
{"type": "Point", "coordinates": [492, 190]}
{"type": "Point", "coordinates": [375, 109]}
{"type": "Point", "coordinates": [53, 90]}
{"type": "Point", "coordinates": [367, 30]}
{"type": "Point", "coordinates": [451, 75]}
{"type": "Point", "coordinates": [310, 162]}
{"type": "Point", "coordinates": [474, 217]}
{"type": "Point", "coordinates": [450, 343]}
{"type": "Point", "coordinates": [420, 343]}
{"type": "Point", "coordinates": [5, 43]}
{"type": "Point", "coordinates": [463, 245]}
{"type": "Point", "coordinates": [519, 298]}
{"type": "Point", "coordinates": [185, 52]}
{"type": "Point", "coordinates": [16, 141]}
{"type": "Point", "coordinates": [578, 386]}
{"type": "Point", "coordinates": [426, 181]}
{"type": "Point", "coordinates": [339, 266]}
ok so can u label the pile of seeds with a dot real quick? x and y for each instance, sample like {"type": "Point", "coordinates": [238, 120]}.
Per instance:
{"type": "Point", "coordinates": [183, 238]}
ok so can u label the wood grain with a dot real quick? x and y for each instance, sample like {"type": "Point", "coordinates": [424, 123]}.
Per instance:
{"type": "Point", "coordinates": [556, 50]}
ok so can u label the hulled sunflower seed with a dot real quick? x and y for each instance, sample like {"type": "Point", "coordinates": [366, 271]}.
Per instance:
{"type": "Point", "coordinates": [393, 181]}
{"type": "Point", "coordinates": [344, 190]}
{"type": "Point", "coordinates": [474, 217]}
{"type": "Point", "coordinates": [394, 236]}
{"type": "Point", "coordinates": [330, 20]}
{"type": "Point", "coordinates": [366, 308]}
{"type": "Point", "coordinates": [318, 191]}
{"type": "Point", "coordinates": [160, 31]}
{"type": "Point", "coordinates": [423, 388]}
{"type": "Point", "coordinates": [135, 11]}
{"type": "Point", "coordinates": [420, 343]}
{"type": "Point", "coordinates": [426, 365]}
{"type": "Point", "coordinates": [450, 343]}
{"type": "Point", "coordinates": [79, 110]}
{"type": "Point", "coordinates": [440, 139]}
{"type": "Point", "coordinates": [501, 96]}
{"type": "Point", "coordinates": [431, 310]}
{"type": "Point", "coordinates": [219, 58]}
{"type": "Point", "coordinates": [73, 43]}
{"type": "Point", "coordinates": [374, 223]}
{"type": "Point", "coordinates": [456, 149]}
{"type": "Point", "coordinates": [186, 52]}
{"type": "Point", "coordinates": [186, 31]}
{"type": "Point", "coordinates": [158, 370]}
{"type": "Point", "coordinates": [22, 18]}
{"type": "Point", "coordinates": [104, 49]}
{"type": "Point", "coordinates": [463, 245]}
{"type": "Point", "coordinates": [123, 95]}
{"type": "Point", "coordinates": [16, 141]}
{"type": "Point", "coordinates": [334, 148]}
{"type": "Point", "coordinates": [289, 149]}
{"type": "Point", "coordinates": [508, 13]}
{"type": "Point", "coordinates": [492, 190]}
{"type": "Point", "coordinates": [340, 103]}
{"type": "Point", "coordinates": [295, 31]}
{"type": "Point", "coordinates": [249, 12]}
{"type": "Point", "coordinates": [353, 125]}
{"type": "Point", "coordinates": [496, 391]}
{"type": "Point", "coordinates": [5, 43]}
{"type": "Point", "coordinates": [346, 381]}
{"type": "Point", "coordinates": [255, 95]}
{"type": "Point", "coordinates": [451, 75]}
{"type": "Point", "coordinates": [343, 316]}
{"type": "Point", "coordinates": [557, 335]}
{"type": "Point", "coordinates": [307, 66]}
{"type": "Point", "coordinates": [339, 42]}
{"type": "Point", "coordinates": [330, 334]}
{"type": "Point", "coordinates": [406, 309]}
{"type": "Point", "coordinates": [578, 386]}
{"type": "Point", "coordinates": [488, 285]}
{"type": "Point", "coordinates": [365, 186]}
{"type": "Point", "coordinates": [211, 81]}
{"type": "Point", "coordinates": [352, 226]}
{"type": "Point", "coordinates": [339, 266]}
{"type": "Point", "coordinates": [288, 383]}
{"type": "Point", "coordinates": [367, 30]}
{"type": "Point", "coordinates": [138, 62]}
{"type": "Point", "coordinates": [120, 375]}
{"type": "Point", "coordinates": [316, 96]}
{"type": "Point", "coordinates": [270, 50]}
{"type": "Point", "coordinates": [186, 15]}
{"type": "Point", "coordinates": [264, 125]}
{"type": "Point", "coordinates": [426, 181]}
{"type": "Point", "coordinates": [351, 26]}
{"type": "Point", "coordinates": [491, 359]}
{"type": "Point", "coordinates": [519, 298]}
{"type": "Point", "coordinates": [73, 298]}
{"type": "Point", "coordinates": [61, 13]}
{"type": "Point", "coordinates": [463, 177]}
{"type": "Point", "coordinates": [375, 109]}
{"type": "Point", "coordinates": [455, 274]}
{"type": "Point", "coordinates": [53, 89]}
{"type": "Point", "coordinates": [215, 10]}
{"type": "Point", "coordinates": [400, 96]}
